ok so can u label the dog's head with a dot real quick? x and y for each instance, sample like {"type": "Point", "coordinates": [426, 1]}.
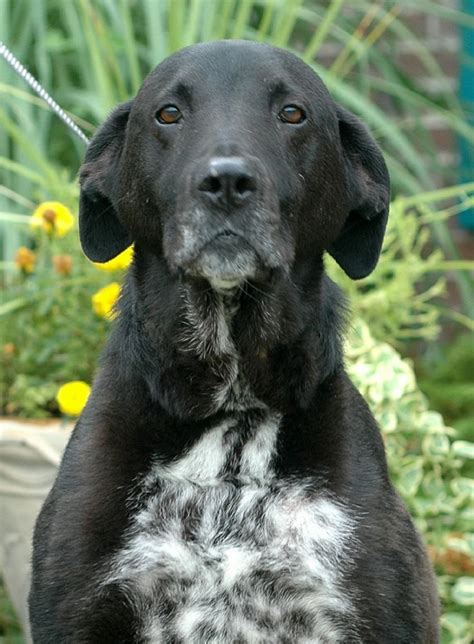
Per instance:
{"type": "Point", "coordinates": [232, 162]}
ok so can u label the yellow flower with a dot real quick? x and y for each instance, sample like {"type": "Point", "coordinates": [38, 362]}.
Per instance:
{"type": "Point", "coordinates": [72, 397]}
{"type": "Point", "coordinates": [119, 263]}
{"type": "Point", "coordinates": [53, 217]}
{"type": "Point", "coordinates": [103, 301]}
{"type": "Point", "coordinates": [25, 259]}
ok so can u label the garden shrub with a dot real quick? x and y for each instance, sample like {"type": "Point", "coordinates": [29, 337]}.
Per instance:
{"type": "Point", "coordinates": [402, 299]}
{"type": "Point", "coordinates": [430, 468]}
{"type": "Point", "coordinates": [446, 377]}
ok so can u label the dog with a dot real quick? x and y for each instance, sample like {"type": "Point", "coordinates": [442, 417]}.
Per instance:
{"type": "Point", "coordinates": [226, 482]}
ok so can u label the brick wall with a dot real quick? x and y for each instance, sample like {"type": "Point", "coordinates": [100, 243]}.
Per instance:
{"type": "Point", "coordinates": [441, 37]}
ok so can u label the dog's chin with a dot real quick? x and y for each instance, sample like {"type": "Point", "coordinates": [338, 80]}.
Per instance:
{"type": "Point", "coordinates": [226, 262]}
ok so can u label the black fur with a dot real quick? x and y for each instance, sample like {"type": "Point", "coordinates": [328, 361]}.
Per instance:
{"type": "Point", "coordinates": [318, 185]}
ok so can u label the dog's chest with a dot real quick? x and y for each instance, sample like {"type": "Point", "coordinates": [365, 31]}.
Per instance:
{"type": "Point", "coordinates": [221, 550]}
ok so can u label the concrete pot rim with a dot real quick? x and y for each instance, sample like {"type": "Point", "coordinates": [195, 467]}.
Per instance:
{"type": "Point", "coordinates": [30, 453]}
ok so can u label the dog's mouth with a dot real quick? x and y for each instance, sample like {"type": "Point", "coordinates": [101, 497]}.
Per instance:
{"type": "Point", "coordinates": [226, 261]}
{"type": "Point", "coordinates": [227, 249]}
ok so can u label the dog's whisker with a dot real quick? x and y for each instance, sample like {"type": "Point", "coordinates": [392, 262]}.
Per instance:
{"type": "Point", "coordinates": [245, 290]}
{"type": "Point", "coordinates": [267, 294]}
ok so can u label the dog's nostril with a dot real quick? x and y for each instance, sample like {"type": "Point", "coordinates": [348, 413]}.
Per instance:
{"type": "Point", "coordinates": [229, 181]}
{"type": "Point", "coordinates": [244, 185]}
{"type": "Point", "coordinates": [210, 184]}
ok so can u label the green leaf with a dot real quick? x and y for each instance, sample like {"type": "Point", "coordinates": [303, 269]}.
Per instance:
{"type": "Point", "coordinates": [436, 446]}
{"type": "Point", "coordinates": [434, 486]}
{"type": "Point", "coordinates": [463, 449]}
{"type": "Point", "coordinates": [455, 623]}
{"type": "Point", "coordinates": [463, 591]}
{"type": "Point", "coordinates": [463, 486]}
{"type": "Point", "coordinates": [324, 27]}
{"type": "Point", "coordinates": [15, 218]}
{"type": "Point", "coordinates": [410, 477]}
{"type": "Point", "coordinates": [464, 544]}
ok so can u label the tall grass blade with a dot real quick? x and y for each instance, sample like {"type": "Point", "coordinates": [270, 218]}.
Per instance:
{"type": "Point", "coordinates": [130, 46]}
{"type": "Point", "coordinates": [316, 41]}
{"type": "Point", "coordinates": [244, 8]}
{"type": "Point", "coordinates": [265, 20]}
{"type": "Point", "coordinates": [176, 12]}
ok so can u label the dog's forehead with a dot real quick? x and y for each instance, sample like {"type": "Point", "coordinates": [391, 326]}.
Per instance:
{"type": "Point", "coordinates": [223, 66]}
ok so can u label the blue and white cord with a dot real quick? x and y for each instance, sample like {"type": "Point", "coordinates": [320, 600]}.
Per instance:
{"type": "Point", "coordinates": [33, 83]}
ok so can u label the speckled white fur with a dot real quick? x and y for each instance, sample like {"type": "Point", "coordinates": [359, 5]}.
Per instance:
{"type": "Point", "coordinates": [221, 550]}
{"type": "Point", "coordinates": [206, 333]}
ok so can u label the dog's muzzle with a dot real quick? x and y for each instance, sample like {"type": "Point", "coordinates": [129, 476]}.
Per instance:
{"type": "Point", "coordinates": [227, 223]}
{"type": "Point", "coordinates": [230, 183]}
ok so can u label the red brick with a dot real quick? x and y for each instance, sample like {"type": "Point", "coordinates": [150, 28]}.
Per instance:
{"type": "Point", "coordinates": [449, 63]}
{"type": "Point", "coordinates": [415, 21]}
{"type": "Point", "coordinates": [443, 138]}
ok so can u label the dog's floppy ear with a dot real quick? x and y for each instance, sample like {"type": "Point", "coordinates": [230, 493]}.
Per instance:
{"type": "Point", "coordinates": [358, 245]}
{"type": "Point", "coordinates": [102, 234]}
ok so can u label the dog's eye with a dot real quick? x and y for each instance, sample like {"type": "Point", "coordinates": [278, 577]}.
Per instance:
{"type": "Point", "coordinates": [168, 115]}
{"type": "Point", "coordinates": [292, 114]}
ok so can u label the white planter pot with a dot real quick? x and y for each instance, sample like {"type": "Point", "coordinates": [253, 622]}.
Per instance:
{"type": "Point", "coordinates": [30, 453]}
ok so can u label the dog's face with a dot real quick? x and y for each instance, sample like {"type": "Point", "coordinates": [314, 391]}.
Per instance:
{"type": "Point", "coordinates": [233, 162]}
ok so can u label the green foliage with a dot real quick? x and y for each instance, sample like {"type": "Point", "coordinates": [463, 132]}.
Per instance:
{"type": "Point", "coordinates": [50, 332]}
{"type": "Point", "coordinates": [429, 466]}
{"type": "Point", "coordinates": [92, 55]}
{"type": "Point", "coordinates": [401, 299]}
{"type": "Point", "coordinates": [30, 396]}
{"type": "Point", "coordinates": [10, 631]}
{"type": "Point", "coordinates": [446, 377]}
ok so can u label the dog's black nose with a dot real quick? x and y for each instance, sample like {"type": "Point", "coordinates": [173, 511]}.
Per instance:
{"type": "Point", "coordinates": [229, 181]}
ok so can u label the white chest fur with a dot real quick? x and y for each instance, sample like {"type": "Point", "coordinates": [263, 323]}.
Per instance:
{"type": "Point", "coordinates": [221, 550]}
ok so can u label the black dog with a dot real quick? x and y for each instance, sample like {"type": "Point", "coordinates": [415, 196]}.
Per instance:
{"type": "Point", "coordinates": [226, 482]}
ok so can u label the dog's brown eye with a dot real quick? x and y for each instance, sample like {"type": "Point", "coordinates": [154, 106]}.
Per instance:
{"type": "Point", "coordinates": [292, 114]}
{"type": "Point", "coordinates": [168, 115]}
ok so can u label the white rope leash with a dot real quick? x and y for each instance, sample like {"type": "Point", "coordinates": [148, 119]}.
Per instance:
{"type": "Point", "coordinates": [33, 83]}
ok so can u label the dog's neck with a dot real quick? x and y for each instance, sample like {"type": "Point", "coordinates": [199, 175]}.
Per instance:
{"type": "Point", "coordinates": [203, 352]}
